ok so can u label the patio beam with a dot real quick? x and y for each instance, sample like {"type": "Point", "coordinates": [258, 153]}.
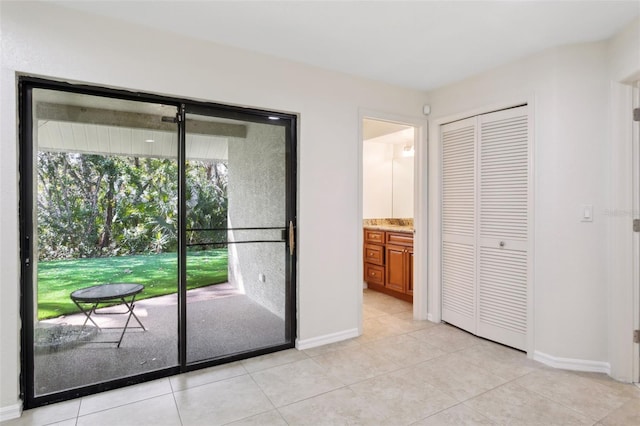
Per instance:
{"type": "Point", "coordinates": [108, 117]}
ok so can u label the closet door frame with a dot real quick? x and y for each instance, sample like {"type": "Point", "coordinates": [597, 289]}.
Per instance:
{"type": "Point", "coordinates": [436, 199]}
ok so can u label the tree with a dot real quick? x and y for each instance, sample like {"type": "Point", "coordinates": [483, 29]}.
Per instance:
{"type": "Point", "coordinates": [96, 205]}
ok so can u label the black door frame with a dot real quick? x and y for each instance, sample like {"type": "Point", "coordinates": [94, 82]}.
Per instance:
{"type": "Point", "coordinates": [26, 84]}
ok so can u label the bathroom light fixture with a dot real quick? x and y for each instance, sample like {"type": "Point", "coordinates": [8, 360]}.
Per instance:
{"type": "Point", "coordinates": [149, 140]}
{"type": "Point", "coordinates": [408, 151]}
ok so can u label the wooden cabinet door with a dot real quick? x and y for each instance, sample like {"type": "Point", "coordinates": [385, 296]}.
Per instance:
{"type": "Point", "coordinates": [396, 268]}
{"type": "Point", "coordinates": [409, 262]}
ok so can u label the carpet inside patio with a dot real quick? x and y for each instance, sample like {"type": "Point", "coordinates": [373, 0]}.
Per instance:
{"type": "Point", "coordinates": [216, 327]}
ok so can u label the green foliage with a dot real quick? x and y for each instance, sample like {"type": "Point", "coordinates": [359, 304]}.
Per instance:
{"type": "Point", "coordinates": [95, 206]}
{"type": "Point", "coordinates": [206, 201]}
{"type": "Point", "coordinates": [157, 272]}
{"type": "Point", "coordinates": [114, 219]}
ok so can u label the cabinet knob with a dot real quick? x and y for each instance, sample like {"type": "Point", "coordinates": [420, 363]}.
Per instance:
{"type": "Point", "coordinates": [501, 243]}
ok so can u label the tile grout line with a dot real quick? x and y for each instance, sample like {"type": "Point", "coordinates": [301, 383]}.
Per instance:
{"type": "Point", "coordinates": [344, 386]}
{"type": "Point", "coordinates": [206, 383]}
{"type": "Point", "coordinates": [586, 416]}
{"type": "Point", "coordinates": [266, 396]}
{"type": "Point", "coordinates": [260, 387]}
{"type": "Point", "coordinates": [78, 412]}
{"type": "Point", "coordinates": [445, 409]}
{"type": "Point", "coordinates": [464, 402]}
{"type": "Point", "coordinates": [175, 402]}
{"type": "Point", "coordinates": [146, 398]}
{"type": "Point", "coordinates": [277, 365]}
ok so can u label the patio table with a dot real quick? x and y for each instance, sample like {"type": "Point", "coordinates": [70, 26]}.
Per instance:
{"type": "Point", "coordinates": [87, 300]}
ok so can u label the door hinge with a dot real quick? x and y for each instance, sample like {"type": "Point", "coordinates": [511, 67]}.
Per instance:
{"type": "Point", "coordinates": [636, 114]}
{"type": "Point", "coordinates": [636, 225]}
{"type": "Point", "coordinates": [636, 336]}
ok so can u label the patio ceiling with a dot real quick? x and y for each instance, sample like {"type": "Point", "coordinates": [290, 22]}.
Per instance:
{"type": "Point", "coordinates": [70, 122]}
{"type": "Point", "coordinates": [59, 136]}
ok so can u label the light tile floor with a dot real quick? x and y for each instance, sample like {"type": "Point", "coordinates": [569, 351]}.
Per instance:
{"type": "Point", "coordinates": [400, 372]}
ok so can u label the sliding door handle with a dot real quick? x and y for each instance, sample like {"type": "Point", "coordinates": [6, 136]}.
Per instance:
{"type": "Point", "coordinates": [292, 238]}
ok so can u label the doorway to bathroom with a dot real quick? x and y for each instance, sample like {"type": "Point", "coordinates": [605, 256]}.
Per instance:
{"type": "Point", "coordinates": [388, 206]}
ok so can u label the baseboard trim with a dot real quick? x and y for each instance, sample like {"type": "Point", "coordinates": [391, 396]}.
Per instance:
{"type": "Point", "coordinates": [572, 364]}
{"type": "Point", "coordinates": [326, 339]}
{"type": "Point", "coordinates": [10, 412]}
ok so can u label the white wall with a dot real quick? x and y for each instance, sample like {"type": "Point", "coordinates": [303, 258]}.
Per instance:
{"type": "Point", "coordinates": [569, 89]}
{"type": "Point", "coordinates": [51, 41]}
{"type": "Point", "coordinates": [256, 198]}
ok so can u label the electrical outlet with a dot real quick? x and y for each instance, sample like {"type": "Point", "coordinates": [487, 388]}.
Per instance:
{"type": "Point", "coordinates": [262, 278]}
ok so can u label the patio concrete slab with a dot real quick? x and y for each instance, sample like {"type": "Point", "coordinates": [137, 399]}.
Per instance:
{"type": "Point", "coordinates": [220, 321]}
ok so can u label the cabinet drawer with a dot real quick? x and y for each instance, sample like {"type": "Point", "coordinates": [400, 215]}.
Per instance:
{"type": "Point", "coordinates": [374, 254]}
{"type": "Point", "coordinates": [400, 238]}
{"type": "Point", "coordinates": [373, 237]}
{"type": "Point", "coordinates": [373, 274]}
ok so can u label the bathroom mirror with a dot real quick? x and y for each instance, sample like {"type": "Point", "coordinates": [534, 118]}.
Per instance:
{"type": "Point", "coordinates": [388, 163]}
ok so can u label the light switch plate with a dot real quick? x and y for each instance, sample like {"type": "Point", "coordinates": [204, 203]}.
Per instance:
{"type": "Point", "coordinates": [586, 213]}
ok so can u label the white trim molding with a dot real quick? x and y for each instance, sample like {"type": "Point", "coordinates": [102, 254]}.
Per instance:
{"type": "Point", "coordinates": [10, 412]}
{"type": "Point", "coordinates": [623, 296]}
{"type": "Point", "coordinates": [420, 214]}
{"type": "Point", "coordinates": [326, 339]}
{"type": "Point", "coordinates": [572, 364]}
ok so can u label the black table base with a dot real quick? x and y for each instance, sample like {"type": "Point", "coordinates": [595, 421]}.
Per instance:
{"type": "Point", "coordinates": [92, 297]}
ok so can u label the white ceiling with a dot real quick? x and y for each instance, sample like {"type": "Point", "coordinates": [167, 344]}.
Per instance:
{"type": "Point", "coordinates": [416, 44]}
{"type": "Point", "coordinates": [373, 129]}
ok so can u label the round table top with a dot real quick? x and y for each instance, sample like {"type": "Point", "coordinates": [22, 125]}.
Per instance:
{"type": "Point", "coordinates": [108, 291]}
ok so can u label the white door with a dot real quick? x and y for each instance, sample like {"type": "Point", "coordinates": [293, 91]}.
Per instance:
{"type": "Point", "coordinates": [485, 225]}
{"type": "Point", "coordinates": [503, 226]}
{"type": "Point", "coordinates": [458, 224]}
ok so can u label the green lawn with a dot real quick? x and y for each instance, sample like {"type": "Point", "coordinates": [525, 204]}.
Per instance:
{"type": "Point", "coordinates": [158, 273]}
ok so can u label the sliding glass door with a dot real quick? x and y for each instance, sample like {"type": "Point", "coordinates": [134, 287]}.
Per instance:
{"type": "Point", "coordinates": [157, 236]}
{"type": "Point", "coordinates": [238, 217]}
{"type": "Point", "coordinates": [104, 209]}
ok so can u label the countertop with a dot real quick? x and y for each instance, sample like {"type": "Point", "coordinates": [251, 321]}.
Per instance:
{"type": "Point", "coordinates": [392, 228]}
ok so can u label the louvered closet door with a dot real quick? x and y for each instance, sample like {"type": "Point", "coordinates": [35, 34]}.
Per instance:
{"type": "Point", "coordinates": [503, 226]}
{"type": "Point", "coordinates": [458, 224]}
